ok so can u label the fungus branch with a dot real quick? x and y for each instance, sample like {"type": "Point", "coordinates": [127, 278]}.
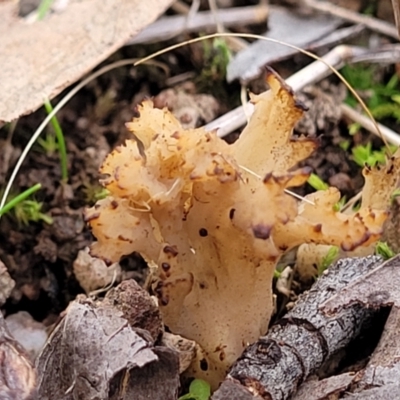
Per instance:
{"type": "Point", "coordinates": [183, 199]}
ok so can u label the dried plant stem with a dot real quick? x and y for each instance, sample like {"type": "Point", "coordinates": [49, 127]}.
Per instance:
{"type": "Point", "coordinates": [168, 27]}
{"type": "Point", "coordinates": [340, 49]}
{"type": "Point", "coordinates": [374, 24]}
{"type": "Point", "coordinates": [396, 11]}
{"type": "Point", "coordinates": [365, 122]}
{"type": "Point", "coordinates": [311, 74]}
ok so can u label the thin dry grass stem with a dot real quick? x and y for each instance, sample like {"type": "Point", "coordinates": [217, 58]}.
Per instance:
{"type": "Point", "coordinates": [352, 202]}
{"type": "Point", "coordinates": [57, 108]}
{"type": "Point", "coordinates": [287, 191]}
{"type": "Point", "coordinates": [339, 49]}
{"type": "Point", "coordinates": [214, 9]}
{"type": "Point", "coordinates": [151, 57]}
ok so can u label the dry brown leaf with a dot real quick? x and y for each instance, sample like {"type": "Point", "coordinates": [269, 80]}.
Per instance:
{"type": "Point", "coordinates": [40, 59]}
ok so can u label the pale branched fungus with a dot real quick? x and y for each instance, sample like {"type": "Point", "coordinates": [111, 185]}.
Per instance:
{"type": "Point", "coordinates": [215, 218]}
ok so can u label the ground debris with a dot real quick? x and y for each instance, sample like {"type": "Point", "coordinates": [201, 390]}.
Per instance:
{"type": "Point", "coordinates": [17, 376]}
{"type": "Point", "coordinates": [43, 58]}
{"type": "Point", "coordinates": [94, 353]}
{"type": "Point", "coordinates": [283, 25]}
{"type": "Point", "coordinates": [324, 389]}
{"type": "Point", "coordinates": [92, 273]}
{"type": "Point", "coordinates": [297, 345]}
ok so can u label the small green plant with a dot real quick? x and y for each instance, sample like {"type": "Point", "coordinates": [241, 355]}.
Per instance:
{"type": "Point", "coordinates": [396, 193]}
{"type": "Point", "coordinates": [216, 59]}
{"type": "Point", "coordinates": [317, 183]}
{"type": "Point", "coordinates": [25, 210]}
{"type": "Point", "coordinates": [328, 259]}
{"type": "Point", "coordinates": [383, 100]}
{"type": "Point", "coordinates": [31, 211]}
{"type": "Point", "coordinates": [383, 249]}
{"type": "Point", "coordinates": [345, 144]}
{"type": "Point", "coordinates": [340, 204]}
{"type": "Point", "coordinates": [55, 142]}
{"type": "Point", "coordinates": [44, 8]}
{"type": "Point", "coordinates": [198, 390]}
{"type": "Point", "coordinates": [363, 154]}
{"type": "Point", "coordinates": [94, 193]}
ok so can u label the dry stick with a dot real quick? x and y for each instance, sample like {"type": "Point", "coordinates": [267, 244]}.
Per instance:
{"type": "Point", "coordinates": [372, 23]}
{"type": "Point", "coordinates": [172, 26]}
{"type": "Point", "coordinates": [365, 122]}
{"type": "Point", "coordinates": [297, 345]}
{"type": "Point", "coordinates": [323, 64]}
{"type": "Point", "coordinates": [310, 74]}
{"type": "Point", "coordinates": [396, 11]}
{"type": "Point", "coordinates": [313, 73]}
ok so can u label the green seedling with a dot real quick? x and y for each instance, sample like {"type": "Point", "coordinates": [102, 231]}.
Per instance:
{"type": "Point", "coordinates": [340, 204]}
{"type": "Point", "coordinates": [31, 211]}
{"type": "Point", "coordinates": [58, 144]}
{"type": "Point", "coordinates": [395, 194]}
{"type": "Point", "coordinates": [94, 193]}
{"type": "Point", "coordinates": [198, 390]}
{"type": "Point", "coordinates": [383, 100]}
{"type": "Point", "coordinates": [19, 198]}
{"type": "Point", "coordinates": [25, 210]}
{"type": "Point", "coordinates": [383, 249]}
{"type": "Point", "coordinates": [48, 144]}
{"type": "Point", "coordinates": [216, 57]}
{"type": "Point", "coordinates": [44, 8]}
{"type": "Point", "coordinates": [364, 155]}
{"type": "Point", "coordinates": [329, 258]}
{"type": "Point", "coordinates": [317, 183]}
{"type": "Point", "coordinates": [345, 144]}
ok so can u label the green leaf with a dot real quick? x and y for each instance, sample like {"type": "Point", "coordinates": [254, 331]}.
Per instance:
{"type": "Point", "coordinates": [383, 249]}
{"type": "Point", "coordinates": [317, 183]}
{"type": "Point", "coordinates": [198, 390]}
{"type": "Point", "coordinates": [344, 144]}
{"type": "Point", "coordinates": [340, 204]}
{"type": "Point", "coordinates": [328, 259]}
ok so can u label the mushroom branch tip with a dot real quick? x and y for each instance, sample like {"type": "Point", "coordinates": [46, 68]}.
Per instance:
{"type": "Point", "coordinates": [215, 219]}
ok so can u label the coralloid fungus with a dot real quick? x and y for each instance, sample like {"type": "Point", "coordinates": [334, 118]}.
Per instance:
{"type": "Point", "coordinates": [215, 218]}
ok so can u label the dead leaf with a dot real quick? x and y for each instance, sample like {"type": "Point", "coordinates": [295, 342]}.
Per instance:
{"type": "Point", "coordinates": [40, 59]}
{"type": "Point", "coordinates": [95, 354]}
{"type": "Point", "coordinates": [287, 26]}
{"type": "Point", "coordinates": [17, 377]}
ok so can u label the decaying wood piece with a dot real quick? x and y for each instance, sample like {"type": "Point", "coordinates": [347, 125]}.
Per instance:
{"type": "Point", "coordinates": [295, 347]}
{"type": "Point", "coordinates": [324, 389]}
{"type": "Point", "coordinates": [380, 379]}
{"type": "Point", "coordinates": [94, 353]}
{"type": "Point", "coordinates": [379, 288]}
{"type": "Point", "coordinates": [137, 307]}
{"type": "Point", "coordinates": [17, 375]}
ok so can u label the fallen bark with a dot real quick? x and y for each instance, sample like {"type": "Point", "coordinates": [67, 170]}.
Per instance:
{"type": "Point", "coordinates": [297, 345]}
{"type": "Point", "coordinates": [96, 353]}
{"type": "Point", "coordinates": [17, 375]}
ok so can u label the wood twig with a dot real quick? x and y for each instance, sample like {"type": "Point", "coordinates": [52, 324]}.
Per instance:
{"type": "Point", "coordinates": [297, 345]}
{"type": "Point", "coordinates": [396, 11]}
{"type": "Point", "coordinates": [168, 27]}
{"type": "Point", "coordinates": [372, 23]}
{"type": "Point", "coordinates": [390, 135]}
{"type": "Point", "coordinates": [313, 73]}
